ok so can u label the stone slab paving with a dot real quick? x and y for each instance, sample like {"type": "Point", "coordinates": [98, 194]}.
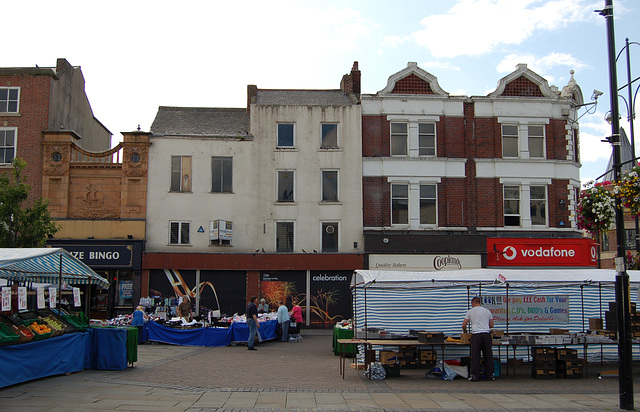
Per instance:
{"type": "Point", "coordinates": [293, 376]}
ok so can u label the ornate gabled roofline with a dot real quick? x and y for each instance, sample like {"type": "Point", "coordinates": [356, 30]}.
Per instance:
{"type": "Point", "coordinates": [412, 68]}
{"type": "Point", "coordinates": [522, 70]}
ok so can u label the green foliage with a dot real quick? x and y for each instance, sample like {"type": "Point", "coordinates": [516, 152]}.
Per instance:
{"type": "Point", "coordinates": [21, 224]}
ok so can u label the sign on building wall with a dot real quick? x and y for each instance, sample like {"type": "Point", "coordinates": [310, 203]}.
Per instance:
{"type": "Point", "coordinates": [542, 252]}
{"type": "Point", "coordinates": [530, 308]}
{"type": "Point", "coordinates": [424, 263]}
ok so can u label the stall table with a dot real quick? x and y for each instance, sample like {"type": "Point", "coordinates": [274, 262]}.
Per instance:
{"type": "Point", "coordinates": [342, 333]}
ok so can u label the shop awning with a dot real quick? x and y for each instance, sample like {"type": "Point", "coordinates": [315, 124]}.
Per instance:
{"type": "Point", "coordinates": [44, 265]}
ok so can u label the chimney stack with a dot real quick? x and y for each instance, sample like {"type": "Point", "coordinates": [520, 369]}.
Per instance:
{"type": "Point", "coordinates": [252, 93]}
{"type": "Point", "coordinates": [351, 82]}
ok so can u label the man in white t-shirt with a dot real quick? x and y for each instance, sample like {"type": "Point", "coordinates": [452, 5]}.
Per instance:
{"type": "Point", "coordinates": [481, 321]}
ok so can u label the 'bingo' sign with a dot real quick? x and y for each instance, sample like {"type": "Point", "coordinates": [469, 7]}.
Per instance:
{"type": "Point", "coordinates": [528, 308]}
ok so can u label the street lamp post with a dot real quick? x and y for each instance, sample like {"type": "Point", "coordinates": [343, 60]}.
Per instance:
{"type": "Point", "coordinates": [625, 380]}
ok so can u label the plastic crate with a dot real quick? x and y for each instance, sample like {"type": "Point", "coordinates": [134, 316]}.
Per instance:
{"type": "Point", "coordinates": [7, 336]}
{"type": "Point", "coordinates": [37, 335]}
{"type": "Point", "coordinates": [25, 334]}
{"type": "Point", "coordinates": [57, 327]}
{"type": "Point", "coordinates": [76, 322]}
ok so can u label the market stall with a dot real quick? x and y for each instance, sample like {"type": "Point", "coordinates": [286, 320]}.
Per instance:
{"type": "Point", "coordinates": [522, 301]}
{"type": "Point", "coordinates": [236, 332]}
{"type": "Point", "coordinates": [44, 340]}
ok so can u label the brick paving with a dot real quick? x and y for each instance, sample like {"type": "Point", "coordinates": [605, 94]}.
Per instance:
{"type": "Point", "coordinates": [294, 376]}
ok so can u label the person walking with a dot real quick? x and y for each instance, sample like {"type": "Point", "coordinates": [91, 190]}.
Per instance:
{"type": "Point", "coordinates": [252, 322]}
{"type": "Point", "coordinates": [283, 320]}
{"type": "Point", "coordinates": [481, 321]}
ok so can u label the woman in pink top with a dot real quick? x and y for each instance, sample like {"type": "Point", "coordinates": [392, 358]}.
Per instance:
{"type": "Point", "coordinates": [296, 312]}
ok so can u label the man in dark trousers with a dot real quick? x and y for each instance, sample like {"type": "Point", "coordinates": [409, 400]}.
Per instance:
{"type": "Point", "coordinates": [481, 321]}
{"type": "Point", "coordinates": [252, 321]}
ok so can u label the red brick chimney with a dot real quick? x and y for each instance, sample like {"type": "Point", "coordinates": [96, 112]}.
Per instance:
{"type": "Point", "coordinates": [351, 82]}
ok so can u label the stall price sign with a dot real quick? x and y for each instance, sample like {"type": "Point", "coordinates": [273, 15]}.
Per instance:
{"type": "Point", "coordinates": [528, 308]}
{"type": "Point", "coordinates": [22, 298]}
{"type": "Point", "coordinates": [6, 299]}
{"type": "Point", "coordinates": [76, 296]}
{"type": "Point", "coordinates": [40, 295]}
{"type": "Point", "coordinates": [52, 297]}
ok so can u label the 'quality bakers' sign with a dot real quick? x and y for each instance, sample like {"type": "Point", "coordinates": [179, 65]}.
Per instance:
{"type": "Point", "coordinates": [424, 262]}
{"type": "Point", "coordinates": [541, 252]}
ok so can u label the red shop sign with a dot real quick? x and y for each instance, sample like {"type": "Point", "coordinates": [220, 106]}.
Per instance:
{"type": "Point", "coordinates": [542, 252]}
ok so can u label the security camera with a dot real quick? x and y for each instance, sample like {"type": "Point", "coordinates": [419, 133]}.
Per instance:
{"type": "Point", "coordinates": [596, 94]}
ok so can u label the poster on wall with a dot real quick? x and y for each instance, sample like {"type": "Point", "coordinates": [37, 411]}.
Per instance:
{"type": "Point", "coordinates": [530, 308]}
{"type": "Point", "coordinates": [330, 297]}
{"type": "Point", "coordinates": [286, 286]}
{"type": "Point", "coordinates": [219, 290]}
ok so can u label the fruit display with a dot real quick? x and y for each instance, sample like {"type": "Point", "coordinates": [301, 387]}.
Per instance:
{"type": "Point", "coordinates": [26, 335]}
{"type": "Point", "coordinates": [41, 330]}
{"type": "Point", "coordinates": [57, 327]}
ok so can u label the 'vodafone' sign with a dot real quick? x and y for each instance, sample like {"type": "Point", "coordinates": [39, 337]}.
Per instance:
{"type": "Point", "coordinates": [541, 252]}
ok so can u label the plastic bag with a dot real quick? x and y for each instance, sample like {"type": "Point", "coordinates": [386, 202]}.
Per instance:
{"type": "Point", "coordinates": [449, 372]}
{"type": "Point", "coordinates": [375, 371]}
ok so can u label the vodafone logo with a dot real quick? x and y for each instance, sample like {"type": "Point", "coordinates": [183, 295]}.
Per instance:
{"type": "Point", "coordinates": [594, 253]}
{"type": "Point", "coordinates": [509, 252]}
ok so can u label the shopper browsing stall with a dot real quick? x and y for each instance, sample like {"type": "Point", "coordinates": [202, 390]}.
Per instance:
{"type": "Point", "coordinates": [252, 321]}
{"type": "Point", "coordinates": [283, 320]}
{"type": "Point", "coordinates": [481, 321]}
{"type": "Point", "coordinates": [185, 309]}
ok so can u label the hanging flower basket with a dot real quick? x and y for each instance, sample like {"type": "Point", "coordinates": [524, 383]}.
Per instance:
{"type": "Point", "coordinates": [628, 190]}
{"type": "Point", "coordinates": [596, 208]}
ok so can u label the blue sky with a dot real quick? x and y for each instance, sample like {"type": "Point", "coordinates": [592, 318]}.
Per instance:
{"type": "Point", "coordinates": [137, 55]}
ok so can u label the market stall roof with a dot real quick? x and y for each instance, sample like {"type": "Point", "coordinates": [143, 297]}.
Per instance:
{"type": "Point", "coordinates": [43, 265]}
{"type": "Point", "coordinates": [401, 279]}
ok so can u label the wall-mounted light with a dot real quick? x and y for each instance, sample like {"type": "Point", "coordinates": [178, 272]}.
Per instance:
{"type": "Point", "coordinates": [385, 240]}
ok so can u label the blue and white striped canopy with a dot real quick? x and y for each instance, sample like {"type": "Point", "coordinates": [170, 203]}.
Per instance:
{"type": "Point", "coordinates": [44, 265]}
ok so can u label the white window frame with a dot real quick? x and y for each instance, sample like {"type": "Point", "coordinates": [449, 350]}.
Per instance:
{"type": "Point", "coordinates": [180, 228]}
{"type": "Point", "coordinates": [293, 234]}
{"type": "Point", "coordinates": [186, 181]}
{"type": "Point", "coordinates": [505, 199]}
{"type": "Point", "coordinates": [9, 88]}
{"type": "Point", "coordinates": [293, 128]}
{"type": "Point", "coordinates": [546, 205]}
{"type": "Point", "coordinates": [406, 139]}
{"type": "Point", "coordinates": [322, 186]}
{"type": "Point", "coordinates": [511, 137]}
{"type": "Point", "coordinates": [15, 143]}
{"type": "Point", "coordinates": [420, 204]}
{"type": "Point", "coordinates": [543, 139]}
{"type": "Point", "coordinates": [408, 186]}
{"type": "Point", "coordinates": [337, 126]}
{"type": "Point", "coordinates": [435, 140]}
{"type": "Point", "coordinates": [278, 192]}
{"type": "Point", "coordinates": [323, 231]}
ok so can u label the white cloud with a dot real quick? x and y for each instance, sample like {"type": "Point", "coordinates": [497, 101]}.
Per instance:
{"type": "Point", "coordinates": [476, 27]}
{"type": "Point", "coordinates": [593, 129]}
{"type": "Point", "coordinates": [394, 41]}
{"type": "Point", "coordinates": [439, 65]}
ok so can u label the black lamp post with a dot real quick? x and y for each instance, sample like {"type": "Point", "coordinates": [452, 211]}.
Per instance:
{"type": "Point", "coordinates": [623, 306]}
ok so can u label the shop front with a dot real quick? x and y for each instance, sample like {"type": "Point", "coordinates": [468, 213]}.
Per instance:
{"type": "Point", "coordinates": [524, 253]}
{"type": "Point", "coordinates": [118, 261]}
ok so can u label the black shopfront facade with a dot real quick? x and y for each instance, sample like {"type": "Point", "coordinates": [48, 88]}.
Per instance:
{"type": "Point", "coordinates": [119, 261]}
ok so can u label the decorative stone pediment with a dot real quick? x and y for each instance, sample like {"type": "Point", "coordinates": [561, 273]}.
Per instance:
{"type": "Point", "coordinates": [413, 80]}
{"type": "Point", "coordinates": [523, 83]}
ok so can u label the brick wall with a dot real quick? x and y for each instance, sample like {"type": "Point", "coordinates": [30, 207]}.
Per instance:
{"type": "Point", "coordinates": [375, 136]}
{"type": "Point", "coordinates": [522, 87]}
{"type": "Point", "coordinates": [31, 121]}
{"type": "Point", "coordinates": [376, 200]}
{"type": "Point", "coordinates": [412, 84]}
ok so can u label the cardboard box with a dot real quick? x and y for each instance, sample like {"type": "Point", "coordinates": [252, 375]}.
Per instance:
{"type": "Point", "coordinates": [431, 337]}
{"type": "Point", "coordinates": [596, 323]}
{"type": "Point", "coordinates": [465, 338]}
{"type": "Point", "coordinates": [388, 357]}
{"type": "Point", "coordinates": [497, 333]}
{"type": "Point", "coordinates": [558, 331]}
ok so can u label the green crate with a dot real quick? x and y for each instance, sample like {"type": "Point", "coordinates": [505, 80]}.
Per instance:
{"type": "Point", "coordinates": [36, 335]}
{"type": "Point", "coordinates": [76, 322]}
{"type": "Point", "coordinates": [7, 336]}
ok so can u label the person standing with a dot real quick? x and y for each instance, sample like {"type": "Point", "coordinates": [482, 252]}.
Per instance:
{"type": "Point", "coordinates": [185, 308]}
{"type": "Point", "coordinates": [296, 312]}
{"type": "Point", "coordinates": [263, 307]}
{"type": "Point", "coordinates": [283, 320]}
{"type": "Point", "coordinates": [138, 319]}
{"type": "Point", "coordinates": [481, 321]}
{"type": "Point", "coordinates": [252, 321]}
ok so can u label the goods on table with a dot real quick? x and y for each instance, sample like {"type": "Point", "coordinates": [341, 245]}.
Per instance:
{"type": "Point", "coordinates": [24, 333]}
{"type": "Point", "coordinates": [7, 336]}
{"type": "Point", "coordinates": [41, 331]}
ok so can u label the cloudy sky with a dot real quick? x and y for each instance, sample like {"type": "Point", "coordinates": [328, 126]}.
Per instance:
{"type": "Point", "coordinates": [137, 55]}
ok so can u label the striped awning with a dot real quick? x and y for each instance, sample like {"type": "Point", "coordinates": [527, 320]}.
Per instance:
{"type": "Point", "coordinates": [44, 265]}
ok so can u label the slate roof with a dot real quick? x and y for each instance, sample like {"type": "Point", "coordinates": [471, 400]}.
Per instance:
{"type": "Point", "coordinates": [303, 97]}
{"type": "Point", "coordinates": [201, 121]}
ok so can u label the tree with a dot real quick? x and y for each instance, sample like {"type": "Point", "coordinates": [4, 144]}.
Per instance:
{"type": "Point", "coordinates": [21, 224]}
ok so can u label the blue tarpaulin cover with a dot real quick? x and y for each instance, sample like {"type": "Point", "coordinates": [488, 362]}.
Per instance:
{"type": "Point", "coordinates": [34, 360]}
{"type": "Point", "coordinates": [237, 332]}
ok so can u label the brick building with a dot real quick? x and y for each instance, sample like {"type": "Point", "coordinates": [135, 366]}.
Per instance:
{"type": "Point", "coordinates": [38, 99]}
{"type": "Point", "coordinates": [454, 182]}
